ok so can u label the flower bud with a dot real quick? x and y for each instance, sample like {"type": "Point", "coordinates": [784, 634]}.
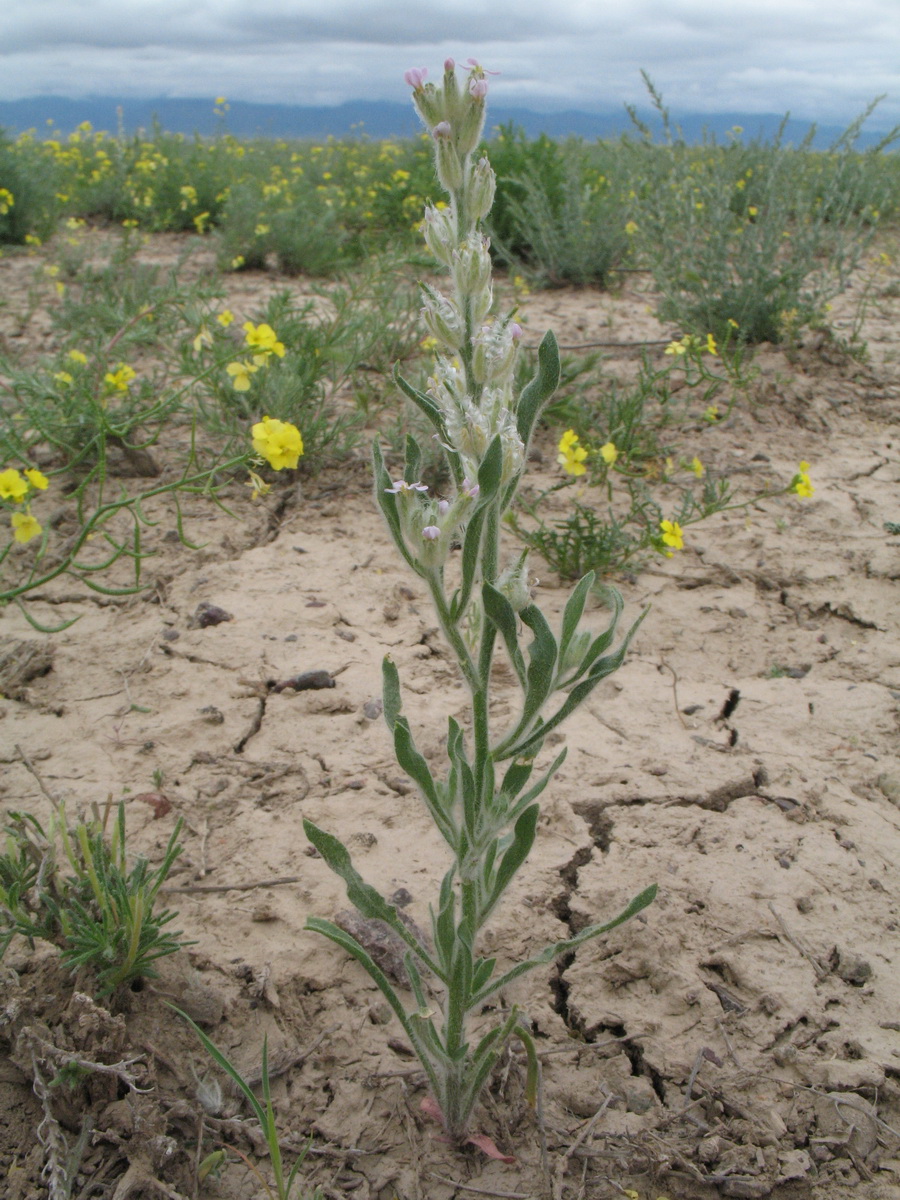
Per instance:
{"type": "Point", "coordinates": [447, 160]}
{"type": "Point", "coordinates": [443, 318]}
{"type": "Point", "coordinates": [440, 233]}
{"type": "Point", "coordinates": [513, 583]}
{"type": "Point", "coordinates": [471, 265]}
{"type": "Point", "coordinates": [495, 353]}
{"type": "Point", "coordinates": [483, 185]}
{"type": "Point", "coordinates": [429, 104]}
{"type": "Point", "coordinates": [470, 123]}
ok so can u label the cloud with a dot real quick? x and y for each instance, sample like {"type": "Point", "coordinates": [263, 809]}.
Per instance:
{"type": "Point", "coordinates": [823, 59]}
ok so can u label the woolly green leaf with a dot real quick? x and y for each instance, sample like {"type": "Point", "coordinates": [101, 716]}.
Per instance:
{"type": "Point", "coordinates": [573, 612]}
{"type": "Point", "coordinates": [517, 852]}
{"type": "Point", "coordinates": [362, 895]}
{"type": "Point", "coordinates": [536, 393]}
{"type": "Point", "coordinates": [390, 687]}
{"type": "Point", "coordinates": [502, 616]}
{"type": "Point", "coordinates": [551, 952]}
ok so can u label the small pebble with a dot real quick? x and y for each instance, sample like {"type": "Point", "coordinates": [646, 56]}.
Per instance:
{"type": "Point", "coordinates": [208, 614]}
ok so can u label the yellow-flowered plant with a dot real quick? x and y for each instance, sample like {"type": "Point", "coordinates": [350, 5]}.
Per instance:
{"type": "Point", "coordinates": [25, 526]}
{"type": "Point", "coordinates": [240, 373]}
{"type": "Point", "coordinates": [263, 340]}
{"type": "Point", "coordinates": [572, 454]}
{"type": "Point", "coordinates": [278, 442]}
{"type": "Point", "coordinates": [801, 484]}
{"type": "Point", "coordinates": [13, 486]}
{"type": "Point", "coordinates": [16, 487]}
{"type": "Point", "coordinates": [120, 380]}
{"type": "Point", "coordinates": [672, 535]}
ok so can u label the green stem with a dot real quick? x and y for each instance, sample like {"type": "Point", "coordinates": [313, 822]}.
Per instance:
{"type": "Point", "coordinates": [105, 511]}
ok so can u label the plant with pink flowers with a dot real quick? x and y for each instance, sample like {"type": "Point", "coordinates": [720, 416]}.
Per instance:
{"type": "Point", "coordinates": [485, 804]}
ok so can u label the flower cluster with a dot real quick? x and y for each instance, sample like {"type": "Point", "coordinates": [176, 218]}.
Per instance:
{"type": "Point", "coordinates": [119, 381]}
{"type": "Point", "coordinates": [262, 340]}
{"type": "Point", "coordinates": [278, 442]}
{"type": "Point", "coordinates": [801, 484]}
{"type": "Point", "coordinates": [690, 343]}
{"type": "Point", "coordinates": [671, 536]}
{"type": "Point", "coordinates": [16, 487]}
{"type": "Point", "coordinates": [430, 526]}
{"type": "Point", "coordinates": [573, 456]}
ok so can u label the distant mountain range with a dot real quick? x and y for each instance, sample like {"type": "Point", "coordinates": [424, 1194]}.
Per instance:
{"type": "Point", "coordinates": [376, 120]}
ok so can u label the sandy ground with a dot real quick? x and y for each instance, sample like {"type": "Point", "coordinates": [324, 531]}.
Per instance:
{"type": "Point", "coordinates": [741, 1038]}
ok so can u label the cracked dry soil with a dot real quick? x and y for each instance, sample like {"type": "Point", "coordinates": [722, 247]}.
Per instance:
{"type": "Point", "coordinates": [741, 1038]}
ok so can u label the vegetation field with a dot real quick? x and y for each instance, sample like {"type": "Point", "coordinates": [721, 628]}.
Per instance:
{"type": "Point", "coordinates": [198, 342]}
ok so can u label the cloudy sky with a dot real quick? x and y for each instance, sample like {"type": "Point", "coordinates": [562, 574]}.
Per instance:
{"type": "Point", "coordinates": [822, 59]}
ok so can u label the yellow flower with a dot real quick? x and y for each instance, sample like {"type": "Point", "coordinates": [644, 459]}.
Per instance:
{"type": "Point", "coordinates": [801, 483]}
{"type": "Point", "coordinates": [7, 200]}
{"type": "Point", "coordinates": [259, 486]}
{"type": "Point", "coordinates": [429, 343]}
{"type": "Point", "coordinates": [63, 377]}
{"type": "Point", "coordinates": [609, 453]}
{"type": "Point", "coordinates": [76, 356]}
{"type": "Point", "coordinates": [119, 380]}
{"type": "Point", "coordinates": [279, 442]}
{"type": "Point", "coordinates": [263, 339]}
{"type": "Point", "coordinates": [203, 338]}
{"type": "Point", "coordinates": [220, 100]}
{"type": "Point", "coordinates": [25, 525]}
{"type": "Point", "coordinates": [240, 373]}
{"type": "Point", "coordinates": [711, 414]}
{"type": "Point", "coordinates": [697, 467]}
{"type": "Point", "coordinates": [37, 479]}
{"type": "Point", "coordinates": [675, 348]}
{"type": "Point", "coordinates": [225, 318]}
{"type": "Point", "coordinates": [672, 535]}
{"type": "Point", "coordinates": [711, 344]}
{"type": "Point", "coordinates": [12, 486]}
{"type": "Point", "coordinates": [237, 262]}
{"type": "Point", "coordinates": [571, 455]}
{"type": "Point", "coordinates": [631, 228]}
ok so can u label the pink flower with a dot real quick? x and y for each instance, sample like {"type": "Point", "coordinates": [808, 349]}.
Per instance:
{"type": "Point", "coordinates": [401, 487]}
{"type": "Point", "coordinates": [449, 64]}
{"type": "Point", "coordinates": [515, 330]}
{"type": "Point", "coordinates": [478, 87]}
{"type": "Point", "coordinates": [442, 130]}
{"type": "Point", "coordinates": [431, 533]}
{"type": "Point", "coordinates": [470, 489]}
{"type": "Point", "coordinates": [443, 506]}
{"type": "Point", "coordinates": [415, 77]}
